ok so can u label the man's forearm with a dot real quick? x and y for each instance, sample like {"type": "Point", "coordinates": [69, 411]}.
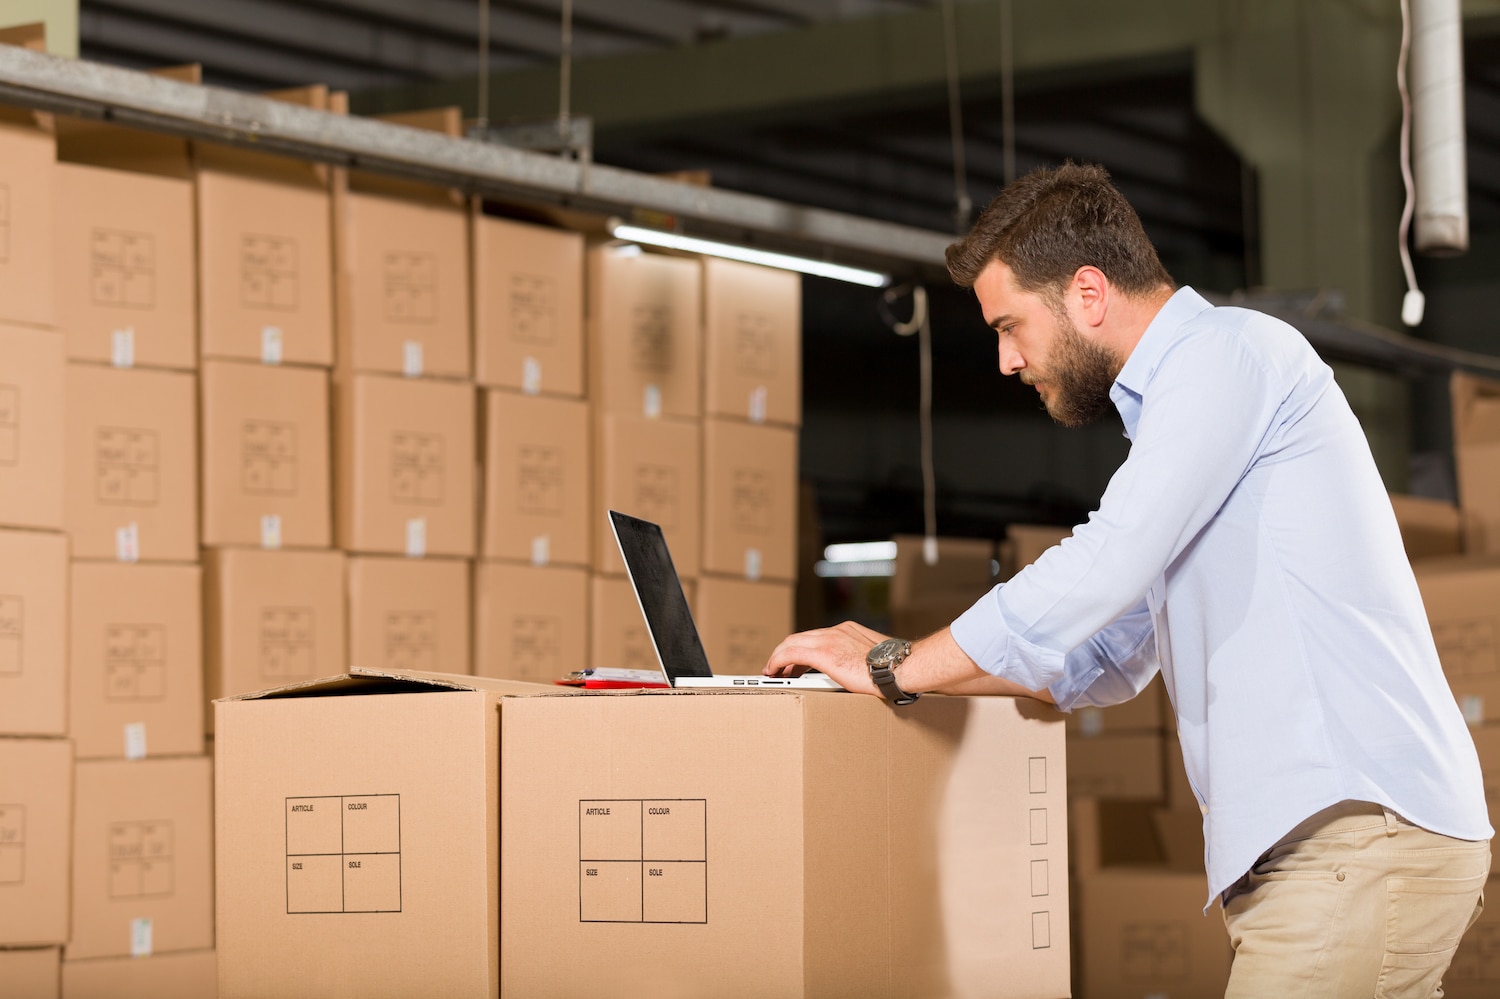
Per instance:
{"type": "Point", "coordinates": [937, 664]}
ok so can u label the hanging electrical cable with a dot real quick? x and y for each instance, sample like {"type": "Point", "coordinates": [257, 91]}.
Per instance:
{"type": "Point", "coordinates": [920, 323]}
{"type": "Point", "coordinates": [565, 70]}
{"type": "Point", "coordinates": [962, 206]}
{"type": "Point", "coordinates": [483, 102]}
{"type": "Point", "coordinates": [1413, 304]}
{"type": "Point", "coordinates": [1007, 95]}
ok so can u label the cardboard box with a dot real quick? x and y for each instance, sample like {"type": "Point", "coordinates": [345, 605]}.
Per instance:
{"type": "Point", "coordinates": [185, 975]}
{"type": "Point", "coordinates": [126, 267]}
{"type": "Point", "coordinates": [33, 633]}
{"type": "Point", "coordinates": [636, 826]}
{"type": "Point", "coordinates": [1143, 933]}
{"type": "Point", "coordinates": [649, 469]}
{"type": "Point", "coordinates": [265, 257]}
{"type": "Point", "coordinates": [32, 390]}
{"type": "Point", "coordinates": [530, 622]}
{"type": "Point", "coordinates": [1430, 528]}
{"type": "Point", "coordinates": [1123, 767]}
{"type": "Point", "coordinates": [617, 631]}
{"type": "Point", "coordinates": [135, 662]}
{"type": "Point", "coordinates": [1475, 971]}
{"type": "Point", "coordinates": [752, 342]}
{"type": "Point", "coordinates": [749, 500]}
{"type": "Point", "coordinates": [32, 973]}
{"type": "Point", "coordinates": [1142, 713]}
{"type": "Point", "coordinates": [528, 307]}
{"type": "Point", "coordinates": [1462, 596]}
{"type": "Point", "coordinates": [36, 815]}
{"type": "Point", "coordinates": [1025, 543]}
{"type": "Point", "coordinates": [1476, 459]}
{"type": "Point", "coordinates": [741, 623]}
{"type": "Point", "coordinates": [142, 857]}
{"type": "Point", "coordinates": [132, 464]}
{"type": "Point", "coordinates": [404, 271]}
{"type": "Point", "coordinates": [645, 324]}
{"type": "Point", "coordinates": [347, 867]}
{"type": "Point", "coordinates": [271, 618]}
{"type": "Point", "coordinates": [265, 456]}
{"type": "Point", "coordinates": [405, 473]}
{"type": "Point", "coordinates": [28, 165]}
{"type": "Point", "coordinates": [927, 598]}
{"type": "Point", "coordinates": [409, 614]}
{"type": "Point", "coordinates": [538, 488]}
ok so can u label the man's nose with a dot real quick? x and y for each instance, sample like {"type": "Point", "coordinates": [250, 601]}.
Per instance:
{"type": "Point", "coordinates": [1010, 360]}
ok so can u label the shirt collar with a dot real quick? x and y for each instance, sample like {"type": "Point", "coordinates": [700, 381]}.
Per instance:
{"type": "Point", "coordinates": [1130, 383]}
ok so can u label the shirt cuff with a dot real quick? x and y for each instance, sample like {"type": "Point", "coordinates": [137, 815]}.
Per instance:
{"type": "Point", "coordinates": [986, 637]}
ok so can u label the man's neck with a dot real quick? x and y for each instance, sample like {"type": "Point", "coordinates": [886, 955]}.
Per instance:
{"type": "Point", "coordinates": [1129, 317]}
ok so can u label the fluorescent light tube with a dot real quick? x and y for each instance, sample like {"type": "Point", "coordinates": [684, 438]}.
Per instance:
{"type": "Point", "coordinates": [691, 244]}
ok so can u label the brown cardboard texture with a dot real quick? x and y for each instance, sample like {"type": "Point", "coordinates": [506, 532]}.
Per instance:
{"type": "Point", "coordinates": [926, 598]}
{"type": "Point", "coordinates": [358, 837]}
{"type": "Point", "coordinates": [32, 973]}
{"type": "Point", "coordinates": [1144, 933]}
{"type": "Point", "coordinates": [126, 269]}
{"type": "Point", "coordinates": [1126, 767]}
{"type": "Point", "coordinates": [1028, 542]}
{"type": "Point", "coordinates": [32, 390]}
{"type": "Point", "coordinates": [538, 488]}
{"type": "Point", "coordinates": [265, 456]}
{"type": "Point", "coordinates": [271, 618]}
{"type": "Point", "coordinates": [36, 815]}
{"type": "Point", "coordinates": [1430, 528]}
{"type": "Point", "coordinates": [409, 614]}
{"type": "Point", "coordinates": [33, 633]}
{"type": "Point", "coordinates": [645, 326]}
{"type": "Point", "coordinates": [617, 632]}
{"type": "Point", "coordinates": [1462, 596]}
{"type": "Point", "coordinates": [142, 857]}
{"type": "Point", "coordinates": [1475, 971]}
{"type": "Point", "coordinates": [28, 170]}
{"type": "Point", "coordinates": [135, 662]}
{"type": "Point", "coordinates": [649, 469]}
{"type": "Point", "coordinates": [752, 342]}
{"type": "Point", "coordinates": [405, 474]}
{"type": "Point", "coordinates": [528, 307]}
{"type": "Point", "coordinates": [1142, 713]}
{"type": "Point", "coordinates": [749, 500]}
{"type": "Point", "coordinates": [634, 832]}
{"type": "Point", "coordinates": [189, 974]}
{"type": "Point", "coordinates": [1476, 459]}
{"type": "Point", "coordinates": [132, 464]}
{"type": "Point", "coordinates": [741, 622]}
{"type": "Point", "coordinates": [404, 265]}
{"type": "Point", "coordinates": [531, 622]}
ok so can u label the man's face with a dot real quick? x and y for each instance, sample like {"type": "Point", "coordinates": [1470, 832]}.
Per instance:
{"type": "Point", "coordinates": [1070, 371]}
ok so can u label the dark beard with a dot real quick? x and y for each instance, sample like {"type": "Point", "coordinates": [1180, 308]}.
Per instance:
{"type": "Point", "coordinates": [1082, 373]}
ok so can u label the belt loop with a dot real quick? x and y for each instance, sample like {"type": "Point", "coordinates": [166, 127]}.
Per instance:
{"type": "Point", "coordinates": [1390, 821]}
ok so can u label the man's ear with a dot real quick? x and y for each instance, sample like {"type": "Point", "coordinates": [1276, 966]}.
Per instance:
{"type": "Point", "coordinates": [1091, 291]}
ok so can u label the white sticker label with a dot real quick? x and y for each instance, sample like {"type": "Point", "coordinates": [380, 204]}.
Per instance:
{"type": "Point", "coordinates": [122, 348]}
{"type": "Point", "coordinates": [652, 402]}
{"type": "Point", "coordinates": [416, 537]}
{"type": "Point", "coordinates": [411, 358]}
{"type": "Point", "coordinates": [1472, 706]}
{"type": "Point", "coordinates": [531, 376]}
{"type": "Point", "coordinates": [128, 543]}
{"type": "Point", "coordinates": [1090, 721]}
{"type": "Point", "coordinates": [270, 531]}
{"type": "Point", "coordinates": [135, 740]}
{"type": "Point", "coordinates": [758, 397]}
{"type": "Point", "coordinates": [270, 344]}
{"type": "Point", "coordinates": [541, 549]}
{"type": "Point", "coordinates": [752, 564]}
{"type": "Point", "coordinates": [140, 938]}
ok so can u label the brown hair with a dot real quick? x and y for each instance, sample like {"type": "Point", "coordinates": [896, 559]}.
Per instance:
{"type": "Point", "coordinates": [1052, 221]}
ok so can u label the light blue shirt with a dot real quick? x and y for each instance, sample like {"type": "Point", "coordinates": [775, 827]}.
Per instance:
{"type": "Point", "coordinates": [1248, 550]}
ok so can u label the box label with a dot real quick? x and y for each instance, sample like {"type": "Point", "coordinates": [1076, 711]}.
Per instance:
{"type": "Point", "coordinates": [268, 458]}
{"type": "Point", "coordinates": [270, 531]}
{"type": "Point", "coordinates": [411, 358]}
{"type": "Point", "coordinates": [750, 500]}
{"type": "Point", "coordinates": [268, 273]}
{"type": "Point", "coordinates": [12, 619]}
{"type": "Point", "coordinates": [122, 268]}
{"type": "Point", "coordinates": [135, 662]}
{"type": "Point", "coordinates": [12, 844]}
{"type": "Point", "coordinates": [754, 345]}
{"type": "Point", "coordinates": [416, 537]}
{"type": "Point", "coordinates": [541, 549]}
{"type": "Point", "coordinates": [416, 467]}
{"type": "Point", "coordinates": [140, 859]}
{"type": "Point", "coordinates": [651, 338]}
{"type": "Point", "coordinates": [410, 287]}
{"type": "Point", "coordinates": [140, 937]}
{"type": "Point", "coordinates": [643, 861]}
{"type": "Point", "coordinates": [411, 640]}
{"type": "Point", "coordinates": [286, 643]}
{"type": "Point", "coordinates": [135, 740]}
{"type": "Point", "coordinates": [540, 480]}
{"type": "Point", "coordinates": [128, 543]}
{"type": "Point", "coordinates": [533, 309]}
{"type": "Point", "coordinates": [122, 347]}
{"type": "Point", "coordinates": [127, 463]}
{"type": "Point", "coordinates": [531, 376]}
{"type": "Point", "coordinates": [343, 853]}
{"type": "Point", "coordinates": [270, 345]}
{"type": "Point", "coordinates": [10, 424]}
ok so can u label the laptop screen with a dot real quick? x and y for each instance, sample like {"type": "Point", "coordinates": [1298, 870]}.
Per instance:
{"type": "Point", "coordinates": [659, 592]}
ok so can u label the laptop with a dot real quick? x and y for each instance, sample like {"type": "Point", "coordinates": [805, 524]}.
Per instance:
{"type": "Point", "coordinates": [669, 622]}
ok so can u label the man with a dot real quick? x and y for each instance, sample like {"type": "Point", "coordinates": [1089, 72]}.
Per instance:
{"type": "Point", "coordinates": [1247, 550]}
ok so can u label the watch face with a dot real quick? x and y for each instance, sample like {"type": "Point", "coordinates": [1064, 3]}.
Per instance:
{"type": "Point", "coordinates": [887, 652]}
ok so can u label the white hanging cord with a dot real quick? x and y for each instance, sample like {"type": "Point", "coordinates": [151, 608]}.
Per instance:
{"type": "Point", "coordinates": [565, 74]}
{"type": "Point", "coordinates": [1414, 303]}
{"type": "Point", "coordinates": [921, 324]}
{"type": "Point", "coordinates": [1007, 94]}
{"type": "Point", "coordinates": [484, 63]}
{"type": "Point", "coordinates": [963, 207]}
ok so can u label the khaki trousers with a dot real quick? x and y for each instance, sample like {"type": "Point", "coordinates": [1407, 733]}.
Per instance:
{"type": "Point", "coordinates": [1355, 902]}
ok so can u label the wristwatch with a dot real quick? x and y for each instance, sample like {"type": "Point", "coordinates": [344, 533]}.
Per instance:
{"type": "Point", "coordinates": [883, 660]}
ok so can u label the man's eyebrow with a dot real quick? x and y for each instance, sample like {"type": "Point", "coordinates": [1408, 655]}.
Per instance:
{"type": "Point", "coordinates": [999, 321]}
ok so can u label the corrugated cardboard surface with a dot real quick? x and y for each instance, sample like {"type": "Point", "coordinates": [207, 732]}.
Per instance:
{"type": "Point", "coordinates": [265, 454]}
{"type": "Point", "coordinates": [36, 817]}
{"type": "Point", "coordinates": [650, 469]}
{"type": "Point", "coordinates": [645, 323]}
{"type": "Point", "coordinates": [538, 485]}
{"type": "Point", "coordinates": [142, 850]}
{"type": "Point", "coordinates": [185, 975]}
{"type": "Point", "coordinates": [865, 852]}
{"type": "Point", "coordinates": [749, 500]}
{"type": "Point", "coordinates": [1116, 766]}
{"type": "Point", "coordinates": [528, 307]}
{"type": "Point", "coordinates": [963, 572]}
{"type": "Point", "coordinates": [1462, 597]}
{"type": "Point", "coordinates": [617, 631]}
{"type": "Point", "coordinates": [1144, 933]}
{"type": "Point", "coordinates": [1429, 527]}
{"type": "Point", "coordinates": [136, 660]}
{"type": "Point", "coordinates": [132, 463]}
{"type": "Point", "coordinates": [406, 460]}
{"type": "Point", "coordinates": [32, 973]}
{"type": "Point", "coordinates": [32, 392]}
{"type": "Point", "coordinates": [406, 268]}
{"type": "Point", "coordinates": [28, 157]}
{"type": "Point", "coordinates": [741, 622]}
{"type": "Point", "coordinates": [1475, 971]}
{"type": "Point", "coordinates": [125, 257]}
{"type": "Point", "coordinates": [409, 614]}
{"type": "Point", "coordinates": [752, 342]}
{"type": "Point", "coordinates": [1476, 459]}
{"type": "Point", "coordinates": [531, 622]}
{"type": "Point", "coordinates": [33, 633]}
